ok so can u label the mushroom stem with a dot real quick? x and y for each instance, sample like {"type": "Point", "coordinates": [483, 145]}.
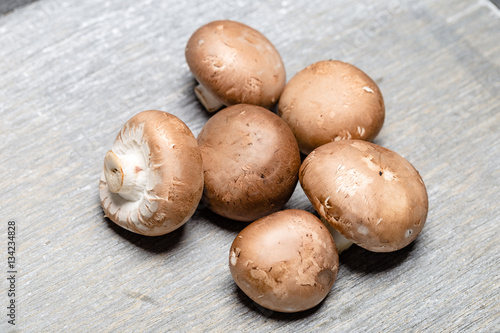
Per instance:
{"type": "Point", "coordinates": [209, 101]}
{"type": "Point", "coordinates": [341, 242]}
{"type": "Point", "coordinates": [113, 172]}
{"type": "Point", "coordinates": [125, 175]}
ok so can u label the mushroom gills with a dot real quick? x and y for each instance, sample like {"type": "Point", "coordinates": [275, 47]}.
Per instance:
{"type": "Point", "coordinates": [126, 173]}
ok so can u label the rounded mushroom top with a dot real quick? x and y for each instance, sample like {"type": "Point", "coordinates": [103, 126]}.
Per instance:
{"type": "Point", "coordinates": [152, 180]}
{"type": "Point", "coordinates": [251, 162]}
{"type": "Point", "coordinates": [371, 195]}
{"type": "Point", "coordinates": [236, 63]}
{"type": "Point", "coordinates": [331, 100]}
{"type": "Point", "coordinates": [286, 261]}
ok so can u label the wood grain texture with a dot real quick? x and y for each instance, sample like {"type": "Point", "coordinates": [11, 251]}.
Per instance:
{"type": "Point", "coordinates": [71, 73]}
{"type": "Point", "coordinates": [9, 5]}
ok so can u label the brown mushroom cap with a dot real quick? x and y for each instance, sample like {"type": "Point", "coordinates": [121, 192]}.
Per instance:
{"type": "Point", "coordinates": [236, 63]}
{"type": "Point", "coordinates": [331, 100]}
{"type": "Point", "coordinates": [371, 195]}
{"type": "Point", "coordinates": [251, 162]}
{"type": "Point", "coordinates": [155, 175]}
{"type": "Point", "coordinates": [285, 262]}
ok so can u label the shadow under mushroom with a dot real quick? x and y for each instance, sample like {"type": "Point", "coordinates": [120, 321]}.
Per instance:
{"type": "Point", "coordinates": [361, 260]}
{"type": "Point", "coordinates": [153, 244]}
{"type": "Point", "coordinates": [262, 311]}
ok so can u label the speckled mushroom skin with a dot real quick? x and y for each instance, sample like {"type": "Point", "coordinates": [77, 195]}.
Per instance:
{"type": "Point", "coordinates": [251, 162]}
{"type": "Point", "coordinates": [175, 176]}
{"type": "Point", "coordinates": [236, 63]}
{"type": "Point", "coordinates": [286, 261]}
{"type": "Point", "coordinates": [331, 100]}
{"type": "Point", "coordinates": [370, 194]}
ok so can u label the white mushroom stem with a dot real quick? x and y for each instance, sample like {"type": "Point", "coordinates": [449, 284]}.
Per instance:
{"type": "Point", "coordinates": [125, 174]}
{"type": "Point", "coordinates": [341, 242]}
{"type": "Point", "coordinates": [209, 101]}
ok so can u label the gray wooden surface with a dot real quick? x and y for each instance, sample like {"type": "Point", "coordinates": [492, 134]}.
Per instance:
{"type": "Point", "coordinates": [9, 5]}
{"type": "Point", "coordinates": [71, 73]}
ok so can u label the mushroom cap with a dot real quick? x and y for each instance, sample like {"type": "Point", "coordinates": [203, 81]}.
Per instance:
{"type": "Point", "coordinates": [371, 195]}
{"type": "Point", "coordinates": [286, 261]}
{"type": "Point", "coordinates": [236, 63]}
{"type": "Point", "coordinates": [331, 100]}
{"type": "Point", "coordinates": [173, 174]}
{"type": "Point", "coordinates": [251, 162]}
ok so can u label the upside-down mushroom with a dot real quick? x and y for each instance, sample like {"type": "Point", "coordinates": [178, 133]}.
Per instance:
{"type": "Point", "coordinates": [152, 180]}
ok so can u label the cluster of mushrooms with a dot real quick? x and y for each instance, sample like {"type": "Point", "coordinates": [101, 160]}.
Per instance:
{"type": "Point", "coordinates": [246, 162]}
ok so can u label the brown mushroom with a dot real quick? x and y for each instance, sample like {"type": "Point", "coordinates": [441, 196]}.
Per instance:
{"type": "Point", "coordinates": [331, 100]}
{"type": "Point", "coordinates": [152, 179]}
{"type": "Point", "coordinates": [285, 262]}
{"type": "Point", "coordinates": [234, 63]}
{"type": "Point", "coordinates": [371, 195]}
{"type": "Point", "coordinates": [251, 162]}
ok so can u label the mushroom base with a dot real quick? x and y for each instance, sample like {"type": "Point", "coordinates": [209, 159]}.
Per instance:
{"type": "Point", "coordinates": [209, 101]}
{"type": "Point", "coordinates": [341, 242]}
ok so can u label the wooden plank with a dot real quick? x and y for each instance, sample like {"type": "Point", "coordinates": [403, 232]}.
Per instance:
{"type": "Point", "coordinates": [9, 5]}
{"type": "Point", "coordinates": [72, 73]}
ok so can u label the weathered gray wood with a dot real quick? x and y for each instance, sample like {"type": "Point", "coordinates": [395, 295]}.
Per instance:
{"type": "Point", "coordinates": [9, 5]}
{"type": "Point", "coordinates": [71, 73]}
